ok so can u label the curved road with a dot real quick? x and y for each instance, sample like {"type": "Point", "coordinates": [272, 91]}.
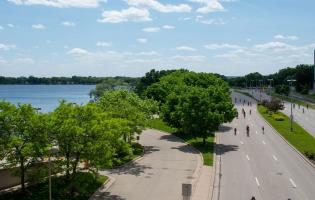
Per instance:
{"type": "Point", "coordinates": [262, 165]}
{"type": "Point", "coordinates": [167, 164]}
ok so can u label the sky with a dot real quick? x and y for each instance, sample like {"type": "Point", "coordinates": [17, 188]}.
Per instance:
{"type": "Point", "coordinates": [129, 37]}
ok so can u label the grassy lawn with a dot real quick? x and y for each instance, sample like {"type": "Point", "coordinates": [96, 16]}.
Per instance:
{"type": "Point", "coordinates": [82, 187]}
{"type": "Point", "coordinates": [296, 101]}
{"type": "Point", "coordinates": [244, 93]}
{"type": "Point", "coordinates": [206, 150]}
{"type": "Point", "coordinates": [299, 138]}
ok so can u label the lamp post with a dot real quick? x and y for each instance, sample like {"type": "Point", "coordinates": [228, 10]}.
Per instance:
{"type": "Point", "coordinates": [291, 116]}
{"type": "Point", "coordinates": [270, 85]}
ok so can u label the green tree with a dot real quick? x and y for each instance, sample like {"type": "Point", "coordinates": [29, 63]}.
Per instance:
{"type": "Point", "coordinates": [23, 137]}
{"type": "Point", "coordinates": [195, 103]}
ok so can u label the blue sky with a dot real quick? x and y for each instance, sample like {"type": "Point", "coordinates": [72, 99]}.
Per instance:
{"type": "Point", "coordinates": [130, 37]}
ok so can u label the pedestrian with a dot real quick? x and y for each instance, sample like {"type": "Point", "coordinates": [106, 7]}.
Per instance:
{"type": "Point", "coordinates": [263, 129]}
{"type": "Point", "coordinates": [303, 110]}
{"type": "Point", "coordinates": [307, 106]}
{"type": "Point", "coordinates": [250, 112]}
{"type": "Point", "coordinates": [235, 130]}
{"type": "Point", "coordinates": [253, 198]}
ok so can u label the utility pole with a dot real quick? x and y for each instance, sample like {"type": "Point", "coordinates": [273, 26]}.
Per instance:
{"type": "Point", "coordinates": [291, 116]}
{"type": "Point", "coordinates": [270, 85]}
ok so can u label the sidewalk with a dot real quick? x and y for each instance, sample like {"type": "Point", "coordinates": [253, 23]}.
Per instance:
{"type": "Point", "coordinates": [204, 186]}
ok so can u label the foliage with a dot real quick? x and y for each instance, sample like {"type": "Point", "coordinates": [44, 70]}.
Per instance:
{"type": "Point", "coordinates": [151, 77]}
{"type": "Point", "coordinates": [80, 187]}
{"type": "Point", "coordinates": [113, 83]}
{"type": "Point", "coordinates": [23, 137]}
{"type": "Point", "coordinates": [194, 103]}
{"type": "Point", "coordinates": [160, 125]}
{"type": "Point", "coordinates": [299, 138]}
{"type": "Point", "coordinates": [274, 105]}
{"type": "Point", "coordinates": [282, 90]}
{"type": "Point", "coordinates": [277, 117]}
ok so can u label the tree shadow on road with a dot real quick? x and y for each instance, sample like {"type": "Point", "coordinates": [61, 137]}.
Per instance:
{"type": "Point", "coordinates": [221, 149]}
{"type": "Point", "coordinates": [150, 149]}
{"type": "Point", "coordinates": [170, 138]}
{"type": "Point", "coordinates": [106, 196]}
{"type": "Point", "coordinates": [132, 169]}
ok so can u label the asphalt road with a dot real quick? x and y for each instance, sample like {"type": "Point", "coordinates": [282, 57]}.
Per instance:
{"type": "Point", "coordinates": [167, 164]}
{"type": "Point", "coordinates": [261, 165]}
{"type": "Point", "coordinates": [306, 119]}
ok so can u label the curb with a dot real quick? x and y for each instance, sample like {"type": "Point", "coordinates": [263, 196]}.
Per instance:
{"type": "Point", "coordinates": [198, 169]}
{"type": "Point", "coordinates": [297, 151]}
{"type": "Point", "coordinates": [108, 183]}
{"type": "Point", "coordinates": [214, 167]}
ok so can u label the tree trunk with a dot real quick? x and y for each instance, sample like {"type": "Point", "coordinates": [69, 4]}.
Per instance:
{"type": "Point", "coordinates": [77, 159]}
{"type": "Point", "coordinates": [204, 141]}
{"type": "Point", "coordinates": [67, 165]}
{"type": "Point", "coordinates": [22, 170]}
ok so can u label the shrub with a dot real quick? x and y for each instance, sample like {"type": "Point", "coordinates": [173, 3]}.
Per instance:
{"type": "Point", "coordinates": [310, 155]}
{"type": "Point", "coordinates": [277, 117]}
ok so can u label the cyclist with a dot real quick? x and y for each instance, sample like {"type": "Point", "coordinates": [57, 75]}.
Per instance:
{"type": "Point", "coordinates": [235, 130]}
{"type": "Point", "coordinates": [247, 130]}
{"type": "Point", "coordinates": [250, 112]}
{"type": "Point", "coordinates": [263, 129]}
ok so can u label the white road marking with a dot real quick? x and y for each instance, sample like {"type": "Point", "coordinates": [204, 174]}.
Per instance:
{"type": "Point", "coordinates": [256, 132]}
{"type": "Point", "coordinates": [257, 181]}
{"type": "Point", "coordinates": [263, 142]}
{"type": "Point", "coordinates": [247, 157]}
{"type": "Point", "coordinates": [242, 142]}
{"type": "Point", "coordinates": [274, 157]}
{"type": "Point", "coordinates": [252, 124]}
{"type": "Point", "coordinates": [292, 182]}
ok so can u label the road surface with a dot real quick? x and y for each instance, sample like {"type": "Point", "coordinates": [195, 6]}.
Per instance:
{"type": "Point", "coordinates": [306, 119]}
{"type": "Point", "coordinates": [262, 165]}
{"type": "Point", "coordinates": [167, 164]}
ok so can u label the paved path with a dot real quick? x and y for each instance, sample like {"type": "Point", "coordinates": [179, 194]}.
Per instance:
{"type": "Point", "coordinates": [306, 119]}
{"type": "Point", "coordinates": [167, 164]}
{"type": "Point", "coordinates": [262, 165]}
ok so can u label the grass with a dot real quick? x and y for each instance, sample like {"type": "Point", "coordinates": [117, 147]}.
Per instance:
{"type": "Point", "coordinates": [244, 93]}
{"type": "Point", "coordinates": [299, 138]}
{"type": "Point", "coordinates": [82, 186]}
{"type": "Point", "coordinates": [206, 150]}
{"type": "Point", "coordinates": [296, 101]}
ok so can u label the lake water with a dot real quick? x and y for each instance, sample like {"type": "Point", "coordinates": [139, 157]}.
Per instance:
{"type": "Point", "coordinates": [46, 97]}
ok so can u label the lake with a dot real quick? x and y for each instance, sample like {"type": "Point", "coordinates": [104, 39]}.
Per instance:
{"type": "Point", "coordinates": [46, 97]}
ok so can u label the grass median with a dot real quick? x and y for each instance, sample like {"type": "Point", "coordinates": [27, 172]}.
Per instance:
{"type": "Point", "coordinates": [206, 150]}
{"type": "Point", "coordinates": [299, 138]}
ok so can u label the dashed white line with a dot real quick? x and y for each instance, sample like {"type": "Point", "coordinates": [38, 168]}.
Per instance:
{"type": "Point", "coordinates": [263, 142]}
{"type": "Point", "coordinates": [242, 142]}
{"type": "Point", "coordinates": [292, 182]}
{"type": "Point", "coordinates": [256, 132]}
{"type": "Point", "coordinates": [247, 157]}
{"type": "Point", "coordinates": [257, 181]}
{"type": "Point", "coordinates": [275, 158]}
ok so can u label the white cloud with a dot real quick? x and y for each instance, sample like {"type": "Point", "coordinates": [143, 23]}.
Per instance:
{"type": "Point", "coordinates": [274, 46]}
{"type": "Point", "coordinates": [26, 61]}
{"type": "Point", "coordinates": [151, 29]}
{"type": "Point", "coordinates": [125, 15]}
{"type": "Point", "coordinates": [156, 5]}
{"type": "Point", "coordinates": [168, 27]}
{"type": "Point", "coordinates": [1, 28]}
{"type": "Point", "coordinates": [221, 46]}
{"type": "Point", "coordinates": [38, 26]}
{"type": "Point", "coordinates": [142, 40]}
{"type": "Point", "coordinates": [289, 37]}
{"type": "Point", "coordinates": [218, 21]}
{"type": "Point", "coordinates": [146, 53]}
{"type": "Point", "coordinates": [78, 52]}
{"type": "Point", "coordinates": [185, 48]}
{"type": "Point", "coordinates": [10, 25]}
{"type": "Point", "coordinates": [60, 3]}
{"type": "Point", "coordinates": [68, 24]}
{"type": "Point", "coordinates": [103, 44]}
{"type": "Point", "coordinates": [6, 47]}
{"type": "Point", "coordinates": [196, 58]}
{"type": "Point", "coordinates": [208, 6]}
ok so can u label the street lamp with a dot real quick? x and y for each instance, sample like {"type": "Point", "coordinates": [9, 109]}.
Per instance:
{"type": "Point", "coordinates": [291, 116]}
{"type": "Point", "coordinates": [270, 85]}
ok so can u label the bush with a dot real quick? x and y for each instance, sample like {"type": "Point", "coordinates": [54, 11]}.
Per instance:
{"type": "Point", "coordinates": [310, 155]}
{"type": "Point", "coordinates": [277, 117]}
